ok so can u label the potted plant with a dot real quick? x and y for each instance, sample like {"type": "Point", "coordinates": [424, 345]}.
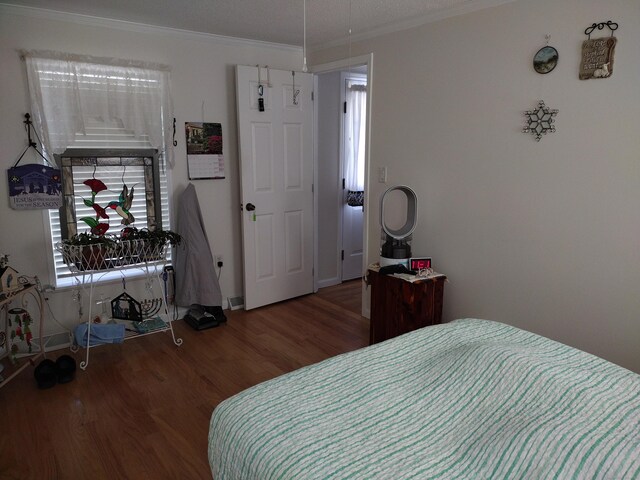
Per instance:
{"type": "Point", "coordinates": [150, 242]}
{"type": "Point", "coordinates": [88, 251]}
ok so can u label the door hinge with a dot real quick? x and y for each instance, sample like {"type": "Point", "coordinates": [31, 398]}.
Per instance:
{"type": "Point", "coordinates": [344, 106]}
{"type": "Point", "coordinates": [342, 255]}
{"type": "Point", "coordinates": [312, 96]}
{"type": "Point", "coordinates": [312, 188]}
{"type": "Point", "coordinates": [343, 184]}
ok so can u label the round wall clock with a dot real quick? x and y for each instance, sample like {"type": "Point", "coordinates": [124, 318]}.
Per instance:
{"type": "Point", "coordinates": [545, 59]}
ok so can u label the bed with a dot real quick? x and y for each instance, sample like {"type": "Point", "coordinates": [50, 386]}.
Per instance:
{"type": "Point", "coordinates": [468, 399]}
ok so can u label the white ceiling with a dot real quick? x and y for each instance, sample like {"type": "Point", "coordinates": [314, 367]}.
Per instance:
{"type": "Point", "coordinates": [277, 21]}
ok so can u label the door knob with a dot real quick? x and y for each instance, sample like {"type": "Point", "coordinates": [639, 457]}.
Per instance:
{"type": "Point", "coordinates": [250, 207]}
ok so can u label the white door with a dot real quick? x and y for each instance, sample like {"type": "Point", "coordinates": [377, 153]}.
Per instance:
{"type": "Point", "coordinates": [353, 94]}
{"type": "Point", "coordinates": [352, 242]}
{"type": "Point", "coordinates": [276, 168]}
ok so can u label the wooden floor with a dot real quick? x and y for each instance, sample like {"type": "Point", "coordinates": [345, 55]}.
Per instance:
{"type": "Point", "coordinates": [142, 409]}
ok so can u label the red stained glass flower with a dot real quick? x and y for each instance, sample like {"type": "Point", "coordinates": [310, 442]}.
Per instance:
{"type": "Point", "coordinates": [100, 211]}
{"type": "Point", "coordinates": [95, 185]}
{"type": "Point", "coordinates": [100, 229]}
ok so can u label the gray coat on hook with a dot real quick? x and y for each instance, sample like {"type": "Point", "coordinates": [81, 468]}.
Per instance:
{"type": "Point", "coordinates": [196, 279]}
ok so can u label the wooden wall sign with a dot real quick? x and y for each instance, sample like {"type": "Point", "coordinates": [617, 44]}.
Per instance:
{"type": "Point", "coordinates": [597, 58]}
{"type": "Point", "coordinates": [597, 54]}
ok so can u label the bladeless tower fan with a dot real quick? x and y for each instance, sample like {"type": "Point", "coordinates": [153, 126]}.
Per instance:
{"type": "Point", "coordinates": [396, 244]}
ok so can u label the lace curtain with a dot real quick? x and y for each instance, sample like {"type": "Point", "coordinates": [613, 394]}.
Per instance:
{"type": "Point", "coordinates": [355, 145]}
{"type": "Point", "coordinates": [69, 91]}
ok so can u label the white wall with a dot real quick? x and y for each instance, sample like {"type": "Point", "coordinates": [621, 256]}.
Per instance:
{"type": "Point", "coordinates": [328, 105]}
{"type": "Point", "coordinates": [544, 236]}
{"type": "Point", "coordinates": [203, 79]}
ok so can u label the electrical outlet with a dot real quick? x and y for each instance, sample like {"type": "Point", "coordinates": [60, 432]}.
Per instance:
{"type": "Point", "coordinates": [219, 261]}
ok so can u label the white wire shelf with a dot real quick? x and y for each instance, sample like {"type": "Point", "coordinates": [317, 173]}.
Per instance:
{"type": "Point", "coordinates": [88, 262]}
{"type": "Point", "coordinates": [111, 256]}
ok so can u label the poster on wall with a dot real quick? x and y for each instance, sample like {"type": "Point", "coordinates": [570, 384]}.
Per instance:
{"type": "Point", "coordinates": [204, 150]}
{"type": "Point", "coordinates": [34, 186]}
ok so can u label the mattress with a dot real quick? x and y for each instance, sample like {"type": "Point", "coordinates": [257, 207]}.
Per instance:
{"type": "Point", "coordinates": [468, 399]}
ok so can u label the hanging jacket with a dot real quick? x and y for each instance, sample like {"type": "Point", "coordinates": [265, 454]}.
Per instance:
{"type": "Point", "coordinates": [196, 279]}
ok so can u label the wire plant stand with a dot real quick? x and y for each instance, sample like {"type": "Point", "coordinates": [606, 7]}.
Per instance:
{"type": "Point", "coordinates": [90, 263]}
{"type": "Point", "coordinates": [30, 289]}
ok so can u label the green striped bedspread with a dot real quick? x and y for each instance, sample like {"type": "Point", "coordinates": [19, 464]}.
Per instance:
{"type": "Point", "coordinates": [471, 399]}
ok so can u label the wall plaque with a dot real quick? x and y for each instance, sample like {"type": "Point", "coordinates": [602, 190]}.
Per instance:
{"type": "Point", "coordinates": [34, 186]}
{"type": "Point", "coordinates": [597, 58]}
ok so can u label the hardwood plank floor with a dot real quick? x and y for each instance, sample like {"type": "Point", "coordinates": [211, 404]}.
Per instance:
{"type": "Point", "coordinates": [142, 409]}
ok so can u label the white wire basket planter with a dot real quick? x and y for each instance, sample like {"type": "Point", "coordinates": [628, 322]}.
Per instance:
{"type": "Point", "coordinates": [111, 255]}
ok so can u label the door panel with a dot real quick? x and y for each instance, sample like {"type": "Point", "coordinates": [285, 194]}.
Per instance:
{"type": "Point", "coordinates": [262, 153]}
{"type": "Point", "coordinates": [293, 156]}
{"type": "Point", "coordinates": [294, 235]}
{"type": "Point", "coordinates": [265, 268]}
{"type": "Point", "coordinates": [276, 164]}
{"type": "Point", "coordinates": [352, 242]}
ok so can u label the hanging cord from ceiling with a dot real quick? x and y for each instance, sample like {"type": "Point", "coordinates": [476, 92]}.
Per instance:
{"type": "Point", "coordinates": [349, 33]}
{"type": "Point", "coordinates": [304, 36]}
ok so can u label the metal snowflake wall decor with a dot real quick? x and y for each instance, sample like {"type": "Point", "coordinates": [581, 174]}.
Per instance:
{"type": "Point", "coordinates": [540, 121]}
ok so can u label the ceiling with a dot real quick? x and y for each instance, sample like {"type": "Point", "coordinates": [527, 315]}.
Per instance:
{"type": "Point", "coordinates": [277, 21]}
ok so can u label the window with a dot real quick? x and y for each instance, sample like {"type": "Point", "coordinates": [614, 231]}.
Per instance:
{"type": "Point", "coordinates": [355, 126]}
{"type": "Point", "coordinates": [137, 169]}
{"type": "Point", "coordinates": [108, 120]}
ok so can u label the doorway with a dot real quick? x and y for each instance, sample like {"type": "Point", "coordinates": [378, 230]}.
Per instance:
{"type": "Point", "coordinates": [338, 224]}
{"type": "Point", "coordinates": [353, 89]}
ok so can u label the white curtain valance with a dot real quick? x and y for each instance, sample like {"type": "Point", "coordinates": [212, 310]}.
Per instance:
{"type": "Point", "coordinates": [68, 91]}
{"type": "Point", "coordinates": [74, 57]}
{"type": "Point", "coordinates": [356, 87]}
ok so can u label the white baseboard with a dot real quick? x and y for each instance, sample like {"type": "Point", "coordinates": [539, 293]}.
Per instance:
{"type": "Point", "coordinates": [329, 282]}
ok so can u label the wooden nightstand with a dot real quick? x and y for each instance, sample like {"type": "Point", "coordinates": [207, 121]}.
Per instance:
{"type": "Point", "coordinates": [398, 306]}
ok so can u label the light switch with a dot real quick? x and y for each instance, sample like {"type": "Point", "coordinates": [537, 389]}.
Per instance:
{"type": "Point", "coordinates": [382, 174]}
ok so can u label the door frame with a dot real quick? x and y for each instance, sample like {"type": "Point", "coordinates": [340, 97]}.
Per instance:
{"type": "Point", "coordinates": [339, 65]}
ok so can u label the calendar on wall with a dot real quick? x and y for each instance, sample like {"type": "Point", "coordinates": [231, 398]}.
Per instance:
{"type": "Point", "coordinates": [204, 150]}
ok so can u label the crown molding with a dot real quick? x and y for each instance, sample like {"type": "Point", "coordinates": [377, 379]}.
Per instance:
{"type": "Point", "coordinates": [414, 22]}
{"type": "Point", "coordinates": [45, 14]}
